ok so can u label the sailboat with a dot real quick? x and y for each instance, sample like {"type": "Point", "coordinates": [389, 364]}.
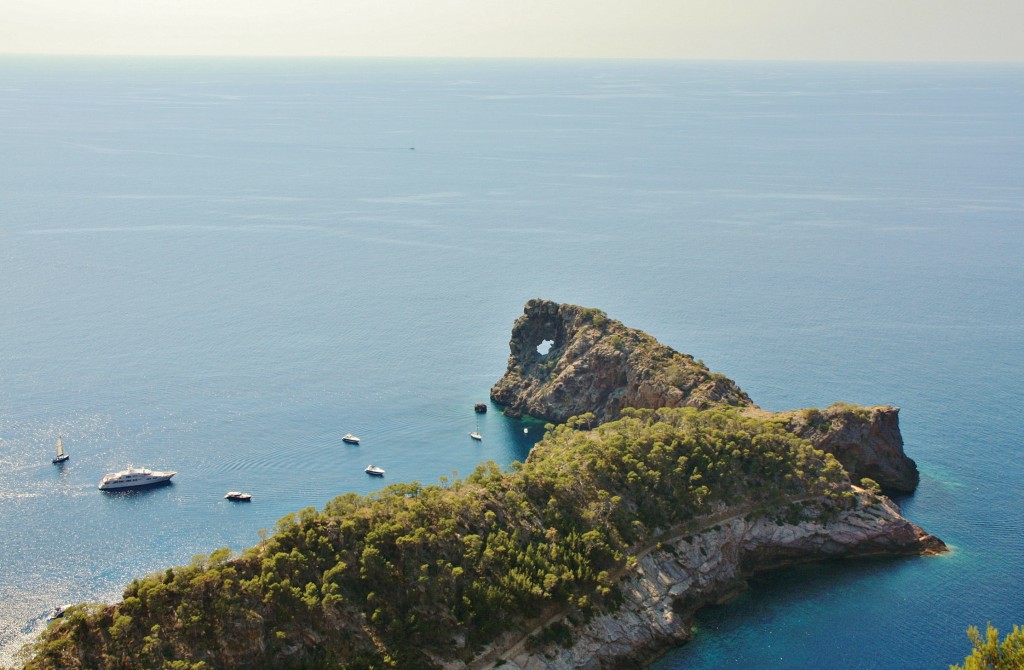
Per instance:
{"type": "Point", "coordinates": [476, 433]}
{"type": "Point", "coordinates": [61, 456]}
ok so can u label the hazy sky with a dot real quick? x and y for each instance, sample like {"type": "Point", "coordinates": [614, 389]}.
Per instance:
{"type": "Point", "coordinates": [688, 29]}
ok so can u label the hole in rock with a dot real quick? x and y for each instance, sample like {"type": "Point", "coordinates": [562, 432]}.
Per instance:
{"type": "Point", "coordinates": [544, 347]}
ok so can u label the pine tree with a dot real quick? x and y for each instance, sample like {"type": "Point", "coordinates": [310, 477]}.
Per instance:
{"type": "Point", "coordinates": [990, 654]}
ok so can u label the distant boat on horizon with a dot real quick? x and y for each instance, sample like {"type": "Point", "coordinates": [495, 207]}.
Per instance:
{"type": "Point", "coordinates": [61, 455]}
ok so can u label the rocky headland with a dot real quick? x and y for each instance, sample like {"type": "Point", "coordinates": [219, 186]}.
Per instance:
{"type": "Point", "coordinates": [866, 440]}
{"type": "Point", "coordinates": [665, 493]}
{"type": "Point", "coordinates": [597, 366]}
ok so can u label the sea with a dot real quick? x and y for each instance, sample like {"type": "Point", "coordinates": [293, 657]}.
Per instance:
{"type": "Point", "coordinates": [220, 267]}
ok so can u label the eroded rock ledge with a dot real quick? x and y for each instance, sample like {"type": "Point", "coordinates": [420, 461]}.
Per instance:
{"type": "Point", "coordinates": [596, 365]}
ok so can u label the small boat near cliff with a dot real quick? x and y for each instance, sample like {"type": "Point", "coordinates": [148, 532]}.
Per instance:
{"type": "Point", "coordinates": [350, 438]}
{"type": "Point", "coordinates": [374, 470]}
{"type": "Point", "coordinates": [238, 496]}
{"type": "Point", "coordinates": [133, 478]}
{"type": "Point", "coordinates": [56, 613]}
{"type": "Point", "coordinates": [476, 436]}
{"type": "Point", "coordinates": [61, 454]}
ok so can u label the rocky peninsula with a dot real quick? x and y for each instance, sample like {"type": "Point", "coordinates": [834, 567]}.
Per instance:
{"type": "Point", "coordinates": [594, 553]}
{"type": "Point", "coordinates": [597, 366]}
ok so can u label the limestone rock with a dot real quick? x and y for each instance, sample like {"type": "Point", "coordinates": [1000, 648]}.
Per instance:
{"type": "Point", "coordinates": [598, 365]}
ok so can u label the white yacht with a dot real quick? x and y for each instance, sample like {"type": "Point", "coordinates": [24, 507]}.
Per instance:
{"type": "Point", "coordinates": [350, 438]}
{"type": "Point", "coordinates": [134, 478]}
{"type": "Point", "coordinates": [238, 496]}
{"type": "Point", "coordinates": [374, 470]}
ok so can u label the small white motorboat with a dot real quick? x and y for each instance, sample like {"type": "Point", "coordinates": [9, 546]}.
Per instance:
{"type": "Point", "coordinates": [238, 496]}
{"type": "Point", "coordinates": [57, 613]}
{"type": "Point", "coordinates": [374, 470]}
{"type": "Point", "coordinates": [350, 438]}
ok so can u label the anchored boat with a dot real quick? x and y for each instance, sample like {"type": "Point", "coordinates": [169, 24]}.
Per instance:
{"type": "Point", "coordinates": [133, 478]}
{"type": "Point", "coordinates": [61, 455]}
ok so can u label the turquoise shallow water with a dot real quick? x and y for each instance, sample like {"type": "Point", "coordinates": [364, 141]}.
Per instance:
{"type": "Point", "coordinates": [220, 267]}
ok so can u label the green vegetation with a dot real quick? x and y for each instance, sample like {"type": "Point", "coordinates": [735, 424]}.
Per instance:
{"type": "Point", "coordinates": [870, 485]}
{"type": "Point", "coordinates": [594, 315]}
{"type": "Point", "coordinates": [990, 654]}
{"type": "Point", "coordinates": [849, 408]}
{"type": "Point", "coordinates": [417, 573]}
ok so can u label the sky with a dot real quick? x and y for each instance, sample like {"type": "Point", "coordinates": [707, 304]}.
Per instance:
{"type": "Point", "coordinates": [858, 30]}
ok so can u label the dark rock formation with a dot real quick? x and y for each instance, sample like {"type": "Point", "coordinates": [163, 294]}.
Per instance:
{"type": "Point", "coordinates": [480, 408]}
{"type": "Point", "coordinates": [866, 440]}
{"type": "Point", "coordinates": [596, 365]}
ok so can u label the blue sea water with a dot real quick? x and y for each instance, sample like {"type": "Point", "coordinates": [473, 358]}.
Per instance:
{"type": "Point", "coordinates": [220, 267]}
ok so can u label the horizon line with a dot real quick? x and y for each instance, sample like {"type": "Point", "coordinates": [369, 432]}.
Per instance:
{"type": "Point", "coordinates": [662, 59]}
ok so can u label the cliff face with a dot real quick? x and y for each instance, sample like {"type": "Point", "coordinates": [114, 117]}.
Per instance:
{"type": "Point", "coordinates": [866, 440]}
{"type": "Point", "coordinates": [599, 366]}
{"type": "Point", "coordinates": [669, 583]}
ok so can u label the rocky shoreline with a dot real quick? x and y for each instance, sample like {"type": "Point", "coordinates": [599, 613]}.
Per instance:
{"type": "Point", "coordinates": [692, 568]}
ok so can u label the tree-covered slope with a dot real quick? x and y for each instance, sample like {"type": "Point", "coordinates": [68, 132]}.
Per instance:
{"type": "Point", "coordinates": [415, 574]}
